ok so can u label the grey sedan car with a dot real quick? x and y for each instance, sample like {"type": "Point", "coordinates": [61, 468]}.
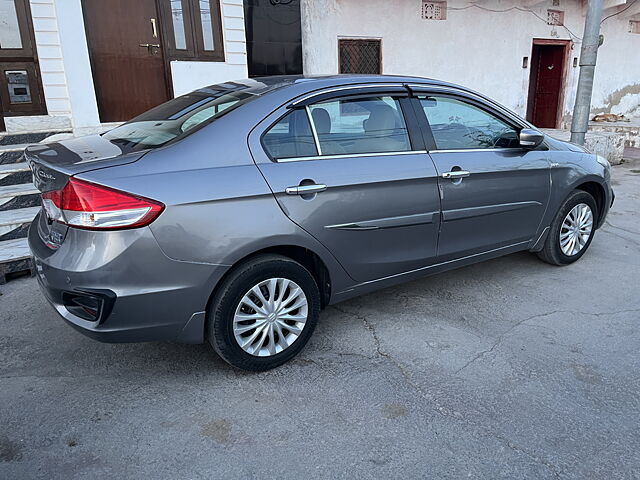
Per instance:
{"type": "Point", "coordinates": [235, 213]}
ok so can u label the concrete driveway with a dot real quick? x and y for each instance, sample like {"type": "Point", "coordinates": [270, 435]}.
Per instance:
{"type": "Point", "coordinates": [507, 369]}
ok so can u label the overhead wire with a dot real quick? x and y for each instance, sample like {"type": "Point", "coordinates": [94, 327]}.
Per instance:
{"type": "Point", "coordinates": [519, 9]}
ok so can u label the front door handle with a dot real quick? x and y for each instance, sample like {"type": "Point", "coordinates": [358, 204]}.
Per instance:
{"type": "Point", "coordinates": [456, 174]}
{"type": "Point", "coordinates": [305, 189]}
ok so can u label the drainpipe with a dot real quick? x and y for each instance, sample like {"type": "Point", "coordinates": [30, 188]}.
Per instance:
{"type": "Point", "coordinates": [588, 55]}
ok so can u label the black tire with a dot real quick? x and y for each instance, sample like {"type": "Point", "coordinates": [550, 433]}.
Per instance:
{"type": "Point", "coordinates": [230, 293]}
{"type": "Point", "coordinates": [551, 252]}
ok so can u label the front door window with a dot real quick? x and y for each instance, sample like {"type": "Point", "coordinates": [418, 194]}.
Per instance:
{"type": "Point", "coordinates": [459, 125]}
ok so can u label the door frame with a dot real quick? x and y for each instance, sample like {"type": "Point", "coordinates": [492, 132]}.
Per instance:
{"type": "Point", "coordinates": [449, 215]}
{"type": "Point", "coordinates": [161, 18]}
{"type": "Point", "coordinates": [25, 58]}
{"type": "Point", "coordinates": [566, 55]}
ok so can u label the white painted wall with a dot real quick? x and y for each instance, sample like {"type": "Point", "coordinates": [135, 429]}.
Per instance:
{"type": "Point", "coordinates": [479, 49]}
{"type": "Point", "coordinates": [189, 75]}
{"type": "Point", "coordinates": [616, 87]}
{"type": "Point", "coordinates": [77, 67]}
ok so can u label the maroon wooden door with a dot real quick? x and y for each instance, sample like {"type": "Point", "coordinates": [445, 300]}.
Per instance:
{"type": "Point", "coordinates": [547, 70]}
{"type": "Point", "coordinates": [128, 75]}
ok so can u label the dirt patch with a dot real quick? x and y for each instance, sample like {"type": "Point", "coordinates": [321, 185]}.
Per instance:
{"type": "Point", "coordinates": [394, 410]}
{"type": "Point", "coordinates": [9, 451]}
{"type": "Point", "coordinates": [586, 373]}
{"type": "Point", "coordinates": [219, 430]}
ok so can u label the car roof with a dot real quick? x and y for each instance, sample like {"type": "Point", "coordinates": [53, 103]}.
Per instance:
{"type": "Point", "coordinates": [284, 80]}
{"type": "Point", "coordinates": [267, 84]}
{"type": "Point", "coordinates": [282, 86]}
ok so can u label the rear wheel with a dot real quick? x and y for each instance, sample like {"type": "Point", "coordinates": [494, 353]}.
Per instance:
{"type": "Point", "coordinates": [264, 313]}
{"type": "Point", "coordinates": [571, 231]}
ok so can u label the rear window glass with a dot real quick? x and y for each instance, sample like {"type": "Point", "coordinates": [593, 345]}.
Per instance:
{"type": "Point", "coordinates": [290, 137]}
{"type": "Point", "coordinates": [181, 116]}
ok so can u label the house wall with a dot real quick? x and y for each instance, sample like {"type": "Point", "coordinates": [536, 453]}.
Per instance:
{"type": "Point", "coordinates": [474, 47]}
{"type": "Point", "coordinates": [616, 87]}
{"type": "Point", "coordinates": [67, 80]}
{"type": "Point", "coordinates": [187, 76]}
{"type": "Point", "coordinates": [77, 66]}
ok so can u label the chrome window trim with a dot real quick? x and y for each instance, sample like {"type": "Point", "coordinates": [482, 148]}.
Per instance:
{"type": "Point", "coordinates": [348, 155]}
{"type": "Point", "coordinates": [314, 132]}
{"type": "Point", "coordinates": [346, 87]}
{"type": "Point", "coordinates": [462, 150]}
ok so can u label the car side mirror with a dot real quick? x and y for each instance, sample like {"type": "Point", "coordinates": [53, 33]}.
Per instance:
{"type": "Point", "coordinates": [530, 138]}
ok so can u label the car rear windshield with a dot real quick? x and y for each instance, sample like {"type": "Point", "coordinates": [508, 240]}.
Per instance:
{"type": "Point", "coordinates": [182, 116]}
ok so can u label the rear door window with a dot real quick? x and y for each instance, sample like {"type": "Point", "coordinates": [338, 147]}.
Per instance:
{"type": "Point", "coordinates": [360, 125]}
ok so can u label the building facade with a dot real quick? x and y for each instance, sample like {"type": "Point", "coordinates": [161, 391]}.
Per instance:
{"type": "Point", "coordinates": [87, 64]}
{"type": "Point", "coordinates": [524, 54]}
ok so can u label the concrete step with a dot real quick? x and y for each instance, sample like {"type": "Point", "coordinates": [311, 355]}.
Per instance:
{"type": "Point", "coordinates": [11, 156]}
{"type": "Point", "coordinates": [30, 137]}
{"type": "Point", "coordinates": [15, 256]}
{"type": "Point", "coordinates": [12, 250]}
{"type": "Point", "coordinates": [18, 147]}
{"type": "Point", "coordinates": [18, 216]}
{"type": "Point", "coordinates": [10, 191]}
{"type": "Point", "coordinates": [14, 173]}
{"type": "Point", "coordinates": [8, 168]}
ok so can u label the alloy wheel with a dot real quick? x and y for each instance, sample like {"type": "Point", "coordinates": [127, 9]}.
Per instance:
{"type": "Point", "coordinates": [576, 229]}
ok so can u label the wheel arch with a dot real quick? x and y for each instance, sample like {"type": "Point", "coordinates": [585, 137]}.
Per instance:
{"type": "Point", "coordinates": [597, 191]}
{"type": "Point", "coordinates": [304, 256]}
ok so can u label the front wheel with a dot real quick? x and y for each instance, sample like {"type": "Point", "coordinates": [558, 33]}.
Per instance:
{"type": "Point", "coordinates": [571, 231]}
{"type": "Point", "coordinates": [264, 313]}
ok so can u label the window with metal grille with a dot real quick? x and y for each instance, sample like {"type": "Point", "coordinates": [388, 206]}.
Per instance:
{"type": "Point", "coordinates": [634, 26]}
{"type": "Point", "coordinates": [555, 17]}
{"type": "Point", "coordinates": [434, 10]}
{"type": "Point", "coordinates": [360, 56]}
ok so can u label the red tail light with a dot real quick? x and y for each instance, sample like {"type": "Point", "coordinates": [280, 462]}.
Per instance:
{"type": "Point", "coordinates": [87, 205]}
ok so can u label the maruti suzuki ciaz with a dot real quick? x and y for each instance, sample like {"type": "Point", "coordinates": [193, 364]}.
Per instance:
{"type": "Point", "coordinates": [235, 213]}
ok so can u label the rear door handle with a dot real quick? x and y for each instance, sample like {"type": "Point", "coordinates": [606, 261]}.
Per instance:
{"type": "Point", "coordinates": [456, 174]}
{"type": "Point", "coordinates": [305, 189]}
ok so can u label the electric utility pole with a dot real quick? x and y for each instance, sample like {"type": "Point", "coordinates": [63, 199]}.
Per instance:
{"type": "Point", "coordinates": [588, 55]}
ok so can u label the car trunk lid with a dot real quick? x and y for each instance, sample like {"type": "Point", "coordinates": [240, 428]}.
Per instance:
{"type": "Point", "coordinates": [53, 164]}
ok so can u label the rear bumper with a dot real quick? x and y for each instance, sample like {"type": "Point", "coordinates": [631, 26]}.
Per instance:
{"type": "Point", "coordinates": [147, 296]}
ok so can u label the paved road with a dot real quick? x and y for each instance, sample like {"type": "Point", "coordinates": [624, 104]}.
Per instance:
{"type": "Point", "coordinates": [507, 369]}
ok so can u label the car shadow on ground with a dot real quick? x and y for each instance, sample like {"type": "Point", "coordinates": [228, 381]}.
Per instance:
{"type": "Point", "coordinates": [181, 359]}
